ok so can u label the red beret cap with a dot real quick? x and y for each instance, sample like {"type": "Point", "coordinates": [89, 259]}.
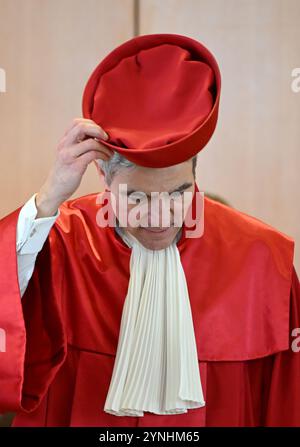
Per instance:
{"type": "Point", "coordinates": [157, 97]}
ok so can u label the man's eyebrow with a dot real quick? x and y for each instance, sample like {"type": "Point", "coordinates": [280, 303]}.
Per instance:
{"type": "Point", "coordinates": [180, 188]}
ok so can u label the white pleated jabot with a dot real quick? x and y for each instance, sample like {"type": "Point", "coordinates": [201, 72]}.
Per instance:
{"type": "Point", "coordinates": [156, 365]}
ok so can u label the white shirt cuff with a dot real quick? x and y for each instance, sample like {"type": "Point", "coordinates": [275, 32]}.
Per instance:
{"type": "Point", "coordinates": [32, 232]}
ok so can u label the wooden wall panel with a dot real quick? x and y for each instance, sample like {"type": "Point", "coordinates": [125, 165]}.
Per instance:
{"type": "Point", "coordinates": [48, 48]}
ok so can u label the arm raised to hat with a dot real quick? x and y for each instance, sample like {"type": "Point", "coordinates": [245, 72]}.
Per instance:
{"type": "Point", "coordinates": [78, 147]}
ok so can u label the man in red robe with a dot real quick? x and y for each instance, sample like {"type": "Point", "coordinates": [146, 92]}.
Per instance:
{"type": "Point", "coordinates": [63, 325]}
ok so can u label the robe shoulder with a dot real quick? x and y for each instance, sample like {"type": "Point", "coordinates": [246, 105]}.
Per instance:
{"type": "Point", "coordinates": [241, 235]}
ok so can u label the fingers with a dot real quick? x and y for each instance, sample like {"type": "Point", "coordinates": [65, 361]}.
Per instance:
{"type": "Point", "coordinates": [89, 156]}
{"type": "Point", "coordinates": [83, 129]}
{"type": "Point", "coordinates": [76, 121]}
{"type": "Point", "coordinates": [91, 145]}
{"type": "Point", "coordinates": [80, 139]}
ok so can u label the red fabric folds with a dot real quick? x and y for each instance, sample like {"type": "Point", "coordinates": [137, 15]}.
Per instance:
{"type": "Point", "coordinates": [62, 337]}
{"type": "Point", "coordinates": [35, 338]}
{"type": "Point", "coordinates": [157, 96]}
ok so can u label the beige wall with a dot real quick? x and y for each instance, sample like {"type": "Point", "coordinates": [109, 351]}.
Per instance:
{"type": "Point", "coordinates": [48, 48]}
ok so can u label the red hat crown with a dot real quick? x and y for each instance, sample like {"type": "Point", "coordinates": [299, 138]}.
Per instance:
{"type": "Point", "coordinates": [157, 97]}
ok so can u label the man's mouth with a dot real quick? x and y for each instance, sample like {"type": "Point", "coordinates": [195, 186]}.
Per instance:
{"type": "Point", "coordinates": [155, 230]}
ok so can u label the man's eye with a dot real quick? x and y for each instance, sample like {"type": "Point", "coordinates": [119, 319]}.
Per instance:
{"type": "Point", "coordinates": [176, 194]}
{"type": "Point", "coordinates": [137, 197]}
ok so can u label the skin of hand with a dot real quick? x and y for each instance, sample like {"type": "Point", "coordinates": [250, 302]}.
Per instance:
{"type": "Point", "coordinates": [78, 147]}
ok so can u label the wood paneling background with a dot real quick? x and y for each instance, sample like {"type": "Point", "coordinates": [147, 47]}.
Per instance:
{"type": "Point", "coordinates": [48, 48]}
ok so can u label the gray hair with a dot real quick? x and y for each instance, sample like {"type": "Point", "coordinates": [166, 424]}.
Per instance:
{"type": "Point", "coordinates": [118, 161]}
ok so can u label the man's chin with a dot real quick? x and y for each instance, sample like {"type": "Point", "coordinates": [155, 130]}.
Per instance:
{"type": "Point", "coordinates": [154, 240]}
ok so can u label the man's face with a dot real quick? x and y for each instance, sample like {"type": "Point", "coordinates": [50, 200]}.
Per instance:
{"type": "Point", "coordinates": [140, 183]}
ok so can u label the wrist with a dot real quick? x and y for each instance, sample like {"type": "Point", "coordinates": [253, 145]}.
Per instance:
{"type": "Point", "coordinates": [46, 207]}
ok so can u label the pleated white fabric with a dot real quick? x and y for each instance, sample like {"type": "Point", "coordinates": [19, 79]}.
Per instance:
{"type": "Point", "coordinates": [156, 365]}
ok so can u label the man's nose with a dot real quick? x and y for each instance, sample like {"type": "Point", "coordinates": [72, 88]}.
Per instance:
{"type": "Point", "coordinates": [159, 213]}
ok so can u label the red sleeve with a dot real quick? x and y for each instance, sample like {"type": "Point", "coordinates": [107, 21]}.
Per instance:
{"type": "Point", "coordinates": [282, 406]}
{"type": "Point", "coordinates": [32, 330]}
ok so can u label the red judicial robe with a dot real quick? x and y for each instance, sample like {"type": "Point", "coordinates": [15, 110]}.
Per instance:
{"type": "Point", "coordinates": [62, 336]}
